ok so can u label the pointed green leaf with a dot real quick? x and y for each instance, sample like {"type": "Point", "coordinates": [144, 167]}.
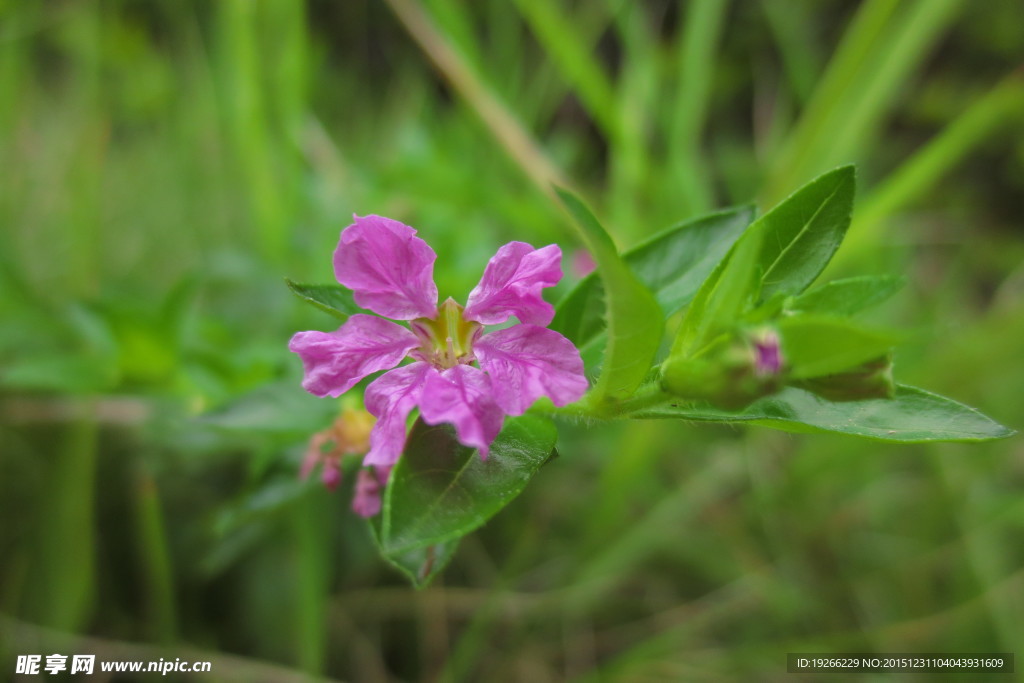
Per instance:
{"type": "Point", "coordinates": [913, 416]}
{"type": "Point", "coordinates": [441, 490]}
{"type": "Point", "coordinates": [848, 296]}
{"type": "Point", "coordinates": [333, 299]}
{"type": "Point", "coordinates": [722, 298]}
{"type": "Point", "coordinates": [803, 232]}
{"type": "Point", "coordinates": [672, 264]}
{"type": "Point", "coordinates": [635, 320]}
{"type": "Point", "coordinates": [420, 565]}
{"type": "Point", "coordinates": [813, 346]}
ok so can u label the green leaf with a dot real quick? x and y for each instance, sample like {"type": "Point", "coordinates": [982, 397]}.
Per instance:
{"type": "Point", "coordinates": [813, 346]}
{"type": "Point", "coordinates": [420, 565]}
{"type": "Point", "coordinates": [672, 264]}
{"type": "Point", "coordinates": [635, 320]}
{"type": "Point", "coordinates": [803, 232]}
{"type": "Point", "coordinates": [913, 416]}
{"type": "Point", "coordinates": [722, 298]}
{"type": "Point", "coordinates": [333, 299]}
{"type": "Point", "coordinates": [441, 490]}
{"type": "Point", "coordinates": [278, 408]}
{"type": "Point", "coordinates": [848, 296]}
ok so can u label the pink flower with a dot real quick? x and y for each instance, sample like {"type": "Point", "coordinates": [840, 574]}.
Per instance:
{"type": "Point", "coordinates": [459, 374]}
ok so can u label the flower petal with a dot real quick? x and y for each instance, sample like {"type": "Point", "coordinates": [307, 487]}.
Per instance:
{"type": "Point", "coordinates": [511, 285]}
{"type": "Point", "coordinates": [336, 361]}
{"type": "Point", "coordinates": [389, 270]}
{"type": "Point", "coordinates": [463, 396]}
{"type": "Point", "coordinates": [390, 398]}
{"type": "Point", "coordinates": [526, 362]}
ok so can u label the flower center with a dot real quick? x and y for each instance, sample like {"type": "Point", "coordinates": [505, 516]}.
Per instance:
{"type": "Point", "coordinates": [447, 340]}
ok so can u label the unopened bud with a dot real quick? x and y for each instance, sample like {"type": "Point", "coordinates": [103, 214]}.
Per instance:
{"type": "Point", "coordinates": [330, 475]}
{"type": "Point", "coordinates": [733, 373]}
{"type": "Point", "coordinates": [370, 483]}
{"type": "Point", "coordinates": [348, 435]}
{"type": "Point", "coordinates": [767, 356]}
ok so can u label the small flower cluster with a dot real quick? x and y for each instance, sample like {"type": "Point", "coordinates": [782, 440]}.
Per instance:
{"type": "Point", "coordinates": [347, 435]}
{"type": "Point", "coordinates": [458, 374]}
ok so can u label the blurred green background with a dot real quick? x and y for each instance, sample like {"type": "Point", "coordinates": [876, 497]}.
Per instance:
{"type": "Point", "coordinates": [166, 163]}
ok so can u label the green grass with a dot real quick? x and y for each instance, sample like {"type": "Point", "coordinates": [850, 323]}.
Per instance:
{"type": "Point", "coordinates": [167, 165]}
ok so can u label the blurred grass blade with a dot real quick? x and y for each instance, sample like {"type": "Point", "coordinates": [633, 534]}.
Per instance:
{"type": "Point", "coordinates": [249, 125]}
{"type": "Point", "coordinates": [896, 59]}
{"type": "Point", "coordinates": [631, 169]}
{"type": "Point", "coordinates": [158, 574]}
{"type": "Point", "coordinates": [572, 54]}
{"type": "Point", "coordinates": [693, 66]}
{"type": "Point", "coordinates": [505, 127]}
{"type": "Point", "coordinates": [65, 565]}
{"type": "Point", "coordinates": [864, 79]}
{"type": "Point", "coordinates": [1001, 106]}
{"type": "Point", "coordinates": [312, 570]}
{"type": "Point", "coordinates": [634, 317]}
{"type": "Point", "coordinates": [792, 26]}
{"type": "Point", "coordinates": [452, 18]}
{"type": "Point", "coordinates": [288, 72]}
{"type": "Point", "coordinates": [858, 41]}
{"type": "Point", "coordinates": [620, 556]}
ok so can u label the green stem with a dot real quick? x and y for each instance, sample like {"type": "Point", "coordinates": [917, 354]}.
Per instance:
{"type": "Point", "coordinates": [580, 408]}
{"type": "Point", "coordinates": [65, 567]}
{"type": "Point", "coordinates": [157, 570]}
{"type": "Point", "coordinates": [309, 636]}
{"type": "Point", "coordinates": [603, 408]}
{"type": "Point", "coordinates": [647, 396]}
